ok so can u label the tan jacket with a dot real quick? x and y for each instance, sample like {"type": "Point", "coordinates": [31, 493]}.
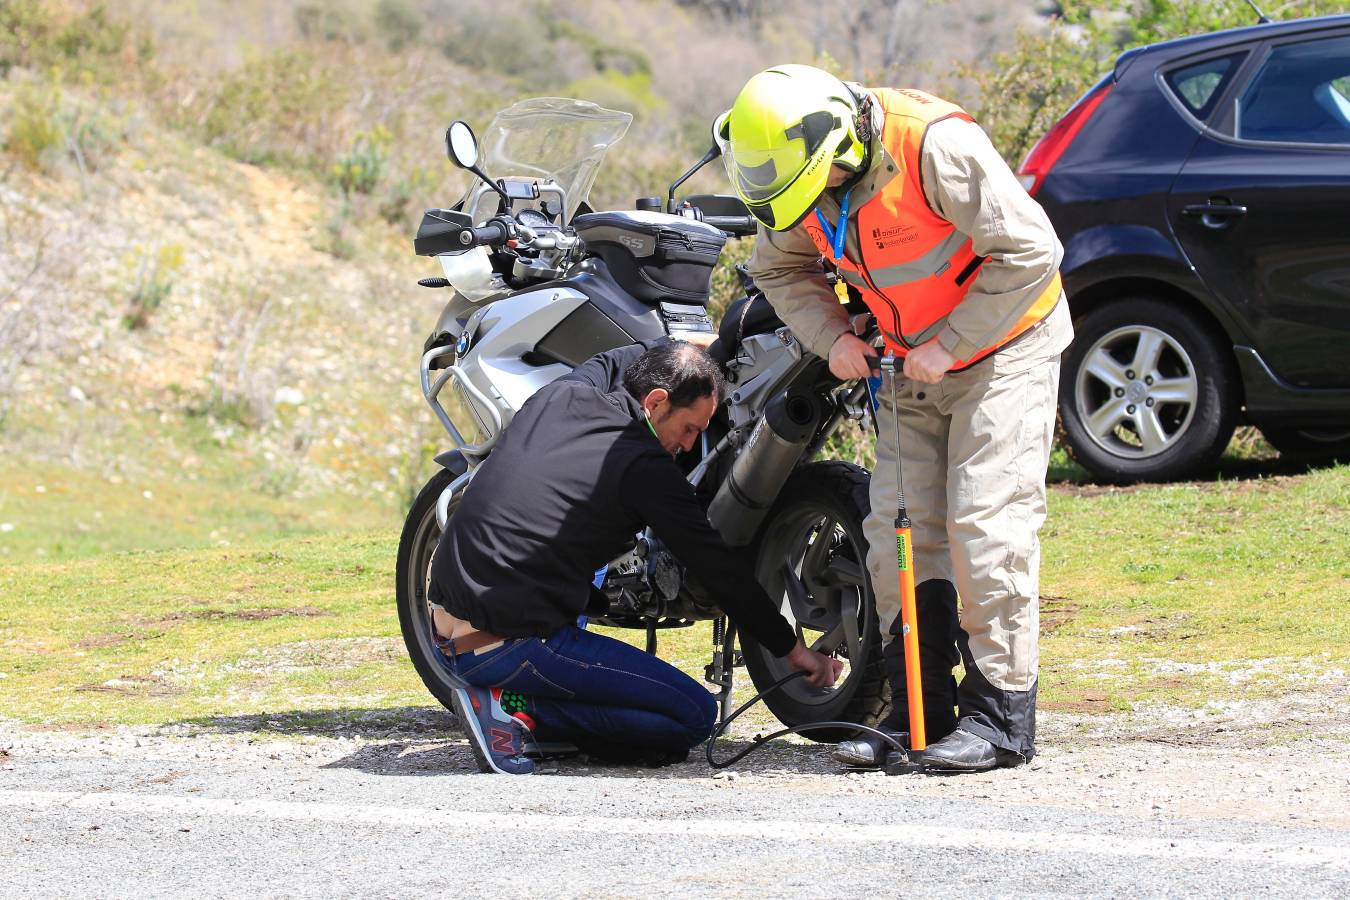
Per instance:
{"type": "Point", "coordinates": [965, 182]}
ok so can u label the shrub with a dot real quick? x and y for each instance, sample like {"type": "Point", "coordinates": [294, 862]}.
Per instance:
{"type": "Point", "coordinates": [38, 35]}
{"type": "Point", "coordinates": [328, 22]}
{"type": "Point", "coordinates": [335, 234]}
{"type": "Point", "coordinates": [526, 52]}
{"type": "Point", "coordinates": [415, 187]}
{"type": "Point", "coordinates": [398, 23]}
{"type": "Point", "coordinates": [359, 170]}
{"type": "Point", "coordinates": [277, 108]}
{"type": "Point", "coordinates": [1020, 94]}
{"type": "Point", "coordinates": [35, 132]}
{"type": "Point", "coordinates": [152, 282]}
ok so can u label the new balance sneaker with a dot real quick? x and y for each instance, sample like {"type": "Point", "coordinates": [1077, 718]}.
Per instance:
{"type": "Point", "coordinates": [496, 736]}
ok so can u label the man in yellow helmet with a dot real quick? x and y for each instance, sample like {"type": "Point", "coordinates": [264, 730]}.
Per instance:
{"type": "Point", "coordinates": [904, 196]}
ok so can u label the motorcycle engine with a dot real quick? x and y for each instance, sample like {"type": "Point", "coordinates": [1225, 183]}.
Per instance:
{"type": "Point", "coordinates": [645, 581]}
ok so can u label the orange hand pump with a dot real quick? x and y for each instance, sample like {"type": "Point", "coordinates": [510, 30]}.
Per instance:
{"type": "Point", "coordinates": [904, 550]}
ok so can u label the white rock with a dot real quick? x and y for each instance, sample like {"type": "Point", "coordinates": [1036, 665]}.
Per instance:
{"type": "Point", "coordinates": [288, 396]}
{"type": "Point", "coordinates": [78, 395]}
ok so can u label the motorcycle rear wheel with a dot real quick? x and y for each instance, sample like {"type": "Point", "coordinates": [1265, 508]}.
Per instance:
{"type": "Point", "coordinates": [421, 534]}
{"type": "Point", "coordinates": [811, 556]}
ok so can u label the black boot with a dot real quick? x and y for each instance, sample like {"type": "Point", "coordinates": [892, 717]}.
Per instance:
{"type": "Point", "coordinates": [1006, 719]}
{"type": "Point", "coordinates": [935, 604]}
{"type": "Point", "coordinates": [962, 751]}
{"type": "Point", "coordinates": [866, 752]}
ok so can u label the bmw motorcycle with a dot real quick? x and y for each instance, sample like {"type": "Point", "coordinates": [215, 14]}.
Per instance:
{"type": "Point", "coordinates": [539, 282]}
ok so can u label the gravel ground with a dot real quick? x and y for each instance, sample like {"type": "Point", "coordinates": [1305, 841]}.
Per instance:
{"type": "Point", "coordinates": [1241, 797]}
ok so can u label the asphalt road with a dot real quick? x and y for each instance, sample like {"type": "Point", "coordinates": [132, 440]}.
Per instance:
{"type": "Point", "coordinates": [149, 824]}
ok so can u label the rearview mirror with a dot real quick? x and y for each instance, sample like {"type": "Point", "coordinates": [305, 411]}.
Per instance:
{"type": "Point", "coordinates": [721, 132]}
{"type": "Point", "coordinates": [461, 145]}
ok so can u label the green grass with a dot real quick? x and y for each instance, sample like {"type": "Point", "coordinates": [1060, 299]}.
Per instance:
{"type": "Point", "coordinates": [57, 513]}
{"type": "Point", "coordinates": [158, 636]}
{"type": "Point", "coordinates": [1211, 576]}
{"type": "Point", "coordinates": [1176, 593]}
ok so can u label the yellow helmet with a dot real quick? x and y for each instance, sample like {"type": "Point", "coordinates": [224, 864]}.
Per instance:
{"type": "Point", "coordinates": [789, 124]}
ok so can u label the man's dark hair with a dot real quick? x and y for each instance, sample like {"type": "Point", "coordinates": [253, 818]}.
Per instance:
{"type": "Point", "coordinates": [686, 372]}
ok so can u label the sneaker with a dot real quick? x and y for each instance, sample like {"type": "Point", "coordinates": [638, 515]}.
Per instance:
{"type": "Point", "coordinates": [496, 736]}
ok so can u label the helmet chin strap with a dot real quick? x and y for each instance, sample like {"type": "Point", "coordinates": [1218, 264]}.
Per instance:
{"type": "Point", "coordinates": [862, 124]}
{"type": "Point", "coordinates": [853, 179]}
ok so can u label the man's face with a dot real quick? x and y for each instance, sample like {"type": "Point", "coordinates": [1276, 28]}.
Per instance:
{"type": "Point", "coordinates": [837, 177]}
{"type": "Point", "coordinates": [678, 427]}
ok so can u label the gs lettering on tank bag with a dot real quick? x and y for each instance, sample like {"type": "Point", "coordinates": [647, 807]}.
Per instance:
{"type": "Point", "coordinates": [915, 266]}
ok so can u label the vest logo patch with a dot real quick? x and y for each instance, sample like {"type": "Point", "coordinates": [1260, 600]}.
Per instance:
{"type": "Point", "coordinates": [914, 95]}
{"type": "Point", "coordinates": [894, 236]}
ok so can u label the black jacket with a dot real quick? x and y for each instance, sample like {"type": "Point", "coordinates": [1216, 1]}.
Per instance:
{"type": "Point", "coordinates": [572, 480]}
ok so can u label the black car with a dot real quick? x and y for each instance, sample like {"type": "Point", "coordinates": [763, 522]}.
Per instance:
{"type": "Point", "coordinates": [1202, 193]}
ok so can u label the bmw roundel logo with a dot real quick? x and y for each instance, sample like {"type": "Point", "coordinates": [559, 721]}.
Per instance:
{"type": "Point", "coordinates": [462, 346]}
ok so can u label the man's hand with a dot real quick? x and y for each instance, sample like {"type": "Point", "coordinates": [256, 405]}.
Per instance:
{"type": "Point", "coordinates": [848, 357]}
{"type": "Point", "coordinates": [821, 670]}
{"type": "Point", "coordinates": [927, 362]}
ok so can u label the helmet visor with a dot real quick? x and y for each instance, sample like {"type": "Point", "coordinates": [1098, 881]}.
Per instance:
{"type": "Point", "coordinates": [760, 173]}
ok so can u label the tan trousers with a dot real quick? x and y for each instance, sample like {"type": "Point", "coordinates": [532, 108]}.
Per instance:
{"type": "Point", "coordinates": [974, 449]}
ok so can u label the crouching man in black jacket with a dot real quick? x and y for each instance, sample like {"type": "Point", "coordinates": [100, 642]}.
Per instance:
{"type": "Point", "coordinates": [584, 466]}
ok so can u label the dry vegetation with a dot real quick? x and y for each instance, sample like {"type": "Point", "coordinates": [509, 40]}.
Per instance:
{"type": "Point", "coordinates": [204, 267]}
{"type": "Point", "coordinates": [204, 206]}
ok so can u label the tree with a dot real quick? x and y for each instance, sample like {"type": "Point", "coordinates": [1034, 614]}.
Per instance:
{"type": "Point", "coordinates": [1023, 92]}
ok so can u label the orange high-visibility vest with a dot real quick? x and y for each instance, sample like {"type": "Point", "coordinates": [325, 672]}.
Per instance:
{"type": "Point", "coordinates": [915, 267]}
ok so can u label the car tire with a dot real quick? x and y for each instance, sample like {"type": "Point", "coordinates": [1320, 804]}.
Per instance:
{"type": "Point", "coordinates": [1310, 444]}
{"type": "Point", "coordinates": [1146, 393]}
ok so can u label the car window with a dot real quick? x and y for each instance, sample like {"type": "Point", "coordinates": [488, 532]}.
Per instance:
{"type": "Point", "coordinates": [1301, 95]}
{"type": "Point", "coordinates": [1197, 86]}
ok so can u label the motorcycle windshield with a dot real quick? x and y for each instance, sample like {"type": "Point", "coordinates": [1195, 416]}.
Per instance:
{"type": "Point", "coordinates": [553, 137]}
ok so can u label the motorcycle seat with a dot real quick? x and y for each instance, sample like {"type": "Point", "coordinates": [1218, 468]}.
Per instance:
{"type": "Point", "coordinates": [746, 317]}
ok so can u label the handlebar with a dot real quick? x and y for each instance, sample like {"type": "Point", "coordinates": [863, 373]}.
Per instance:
{"type": "Point", "coordinates": [738, 225]}
{"type": "Point", "coordinates": [493, 234]}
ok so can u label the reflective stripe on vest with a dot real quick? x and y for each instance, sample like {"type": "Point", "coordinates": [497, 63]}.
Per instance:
{"type": "Point", "coordinates": [916, 266]}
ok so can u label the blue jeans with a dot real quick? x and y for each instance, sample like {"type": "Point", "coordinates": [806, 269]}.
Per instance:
{"type": "Point", "coordinates": [596, 692]}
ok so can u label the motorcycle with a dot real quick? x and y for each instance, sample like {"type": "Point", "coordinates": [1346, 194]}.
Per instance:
{"type": "Point", "coordinates": [540, 282]}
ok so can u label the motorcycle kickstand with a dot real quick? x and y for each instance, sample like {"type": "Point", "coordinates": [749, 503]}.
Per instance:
{"type": "Point", "coordinates": [722, 670]}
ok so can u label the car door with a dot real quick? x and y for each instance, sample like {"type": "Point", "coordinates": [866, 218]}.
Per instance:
{"type": "Point", "coordinates": [1261, 206]}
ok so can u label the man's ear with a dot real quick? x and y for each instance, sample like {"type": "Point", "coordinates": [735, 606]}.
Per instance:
{"type": "Point", "coordinates": [654, 399]}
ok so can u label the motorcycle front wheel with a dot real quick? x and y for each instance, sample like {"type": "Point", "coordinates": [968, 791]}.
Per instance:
{"type": "Point", "coordinates": [811, 556]}
{"type": "Point", "coordinates": [421, 533]}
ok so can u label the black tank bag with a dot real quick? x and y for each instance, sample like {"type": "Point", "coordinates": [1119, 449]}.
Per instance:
{"type": "Point", "coordinates": [654, 256]}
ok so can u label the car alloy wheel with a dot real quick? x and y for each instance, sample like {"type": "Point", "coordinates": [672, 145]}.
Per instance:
{"type": "Point", "coordinates": [1136, 392]}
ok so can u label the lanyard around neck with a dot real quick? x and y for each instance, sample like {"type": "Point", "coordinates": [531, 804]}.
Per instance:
{"type": "Point", "coordinates": [837, 234]}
